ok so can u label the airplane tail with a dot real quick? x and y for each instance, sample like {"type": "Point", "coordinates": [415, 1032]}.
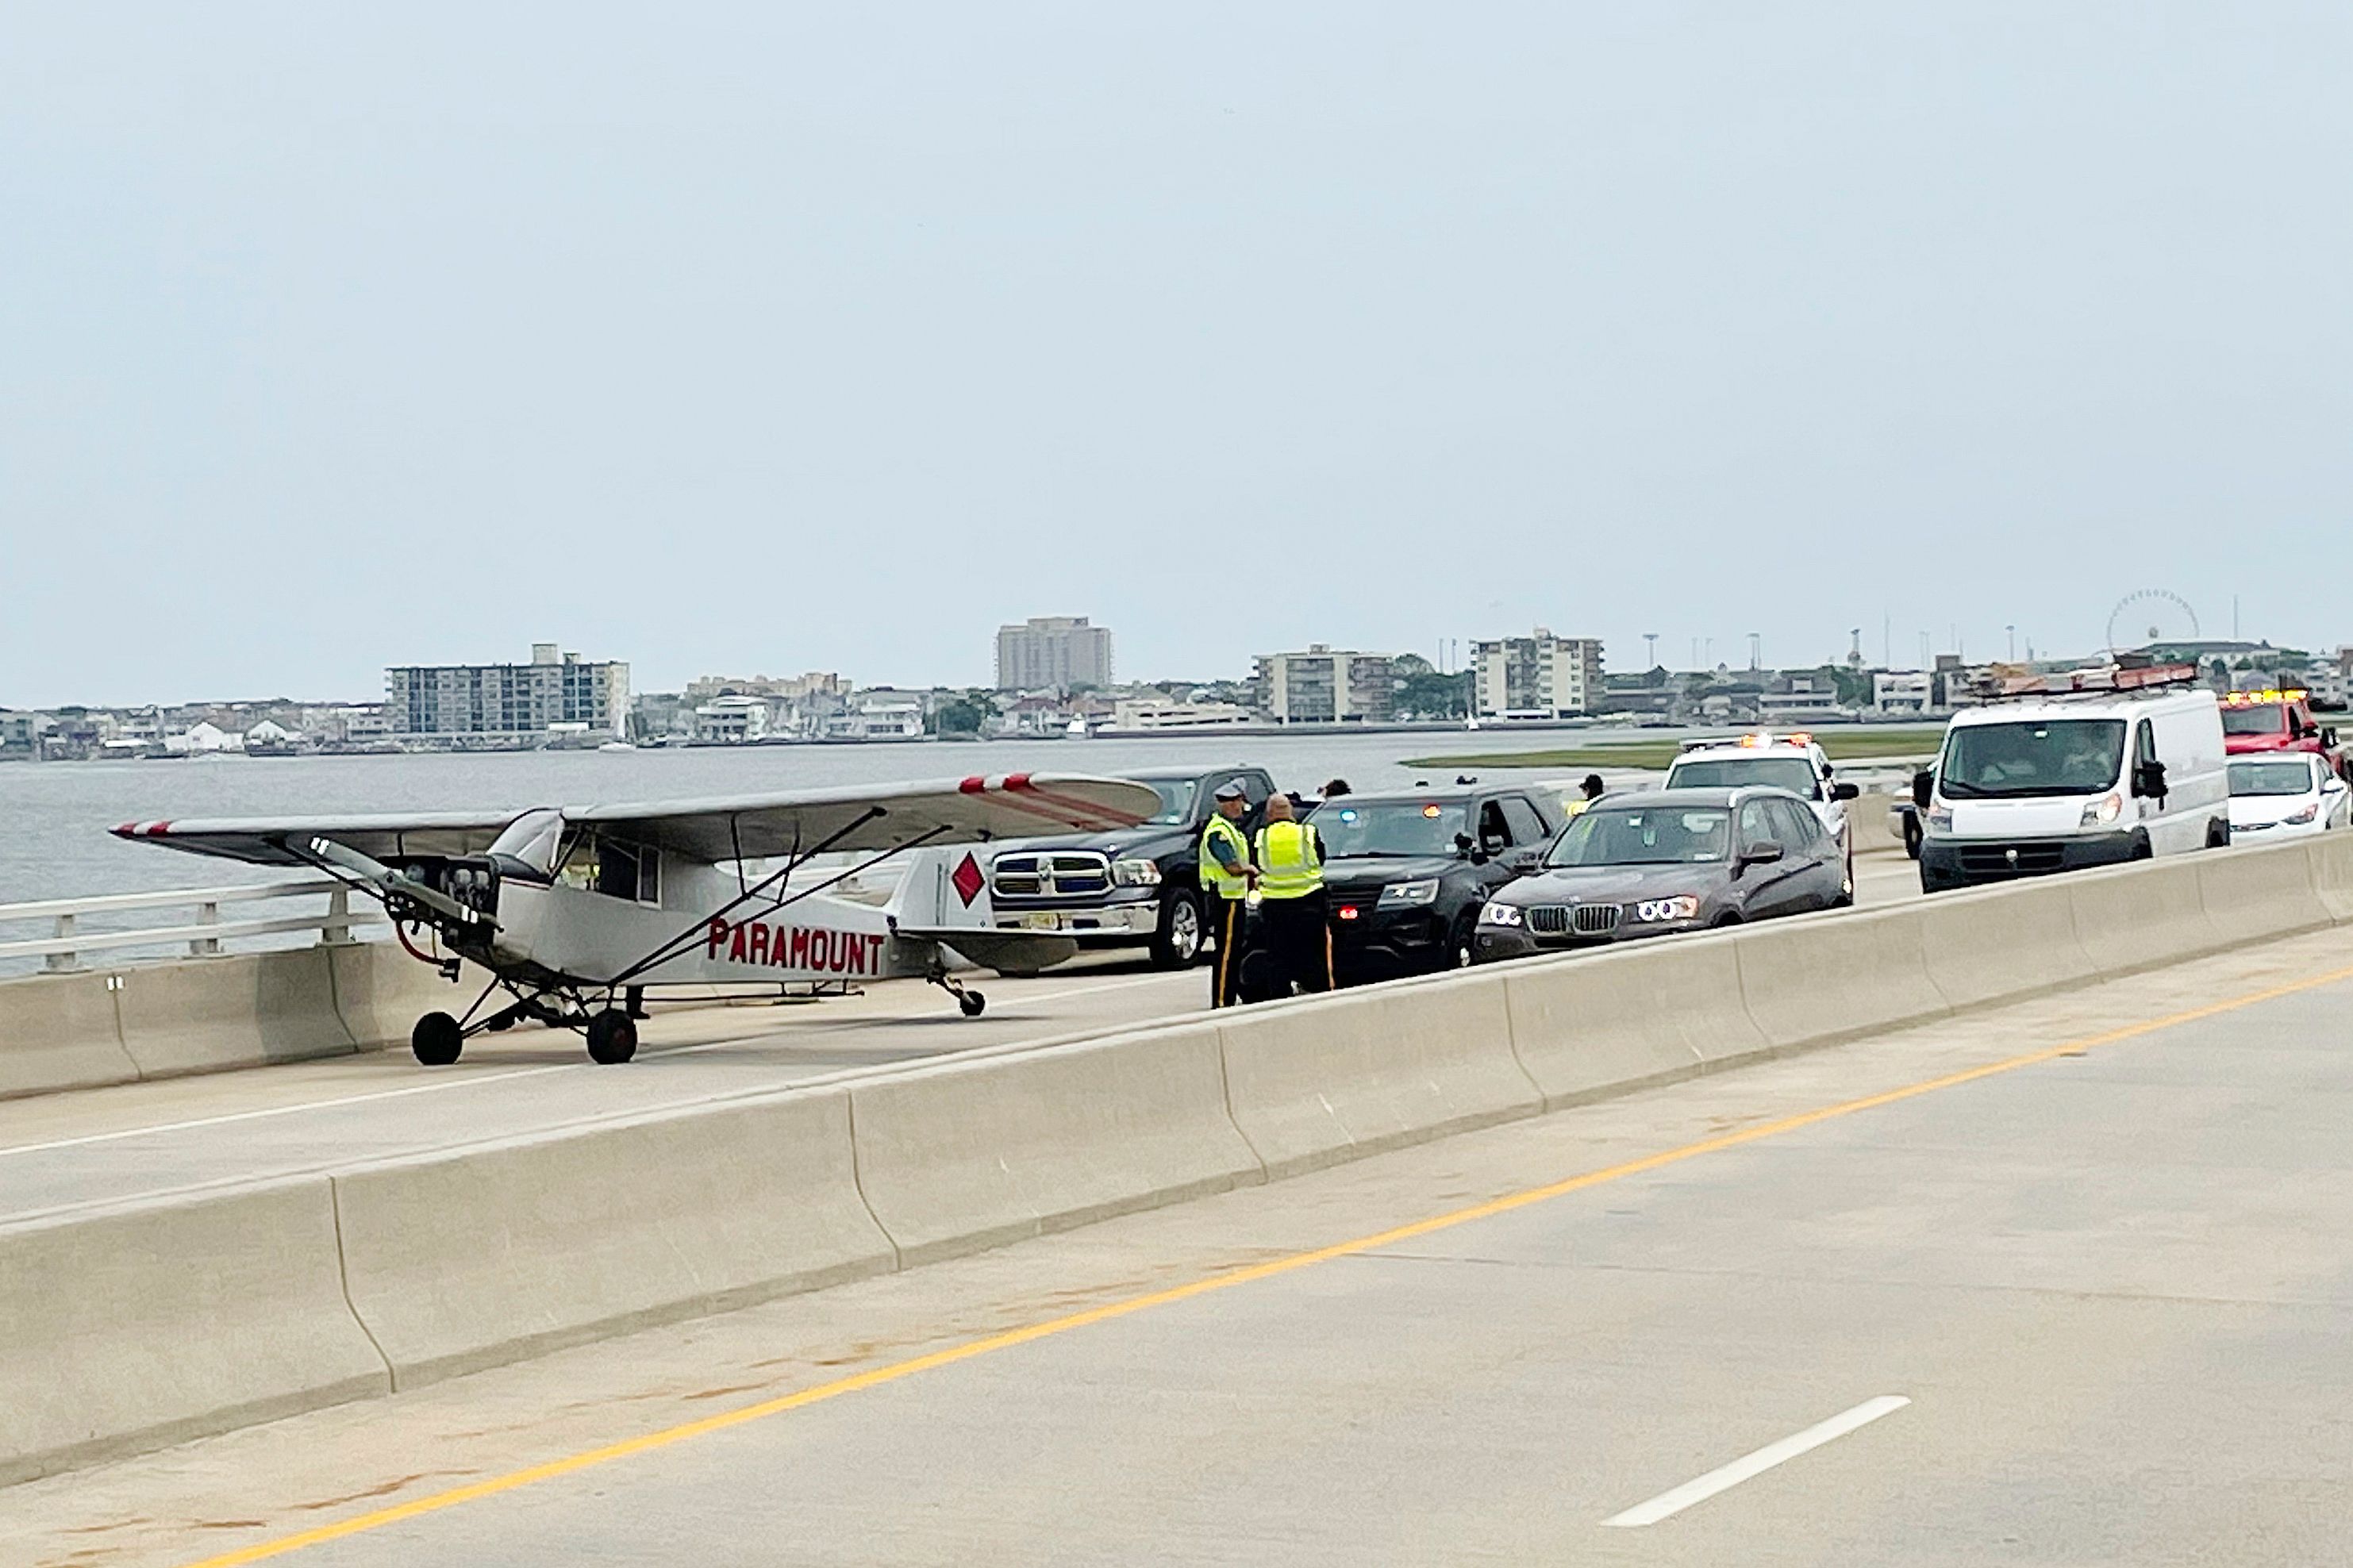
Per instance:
{"type": "Point", "coordinates": [944, 896]}
{"type": "Point", "coordinates": [943, 888]}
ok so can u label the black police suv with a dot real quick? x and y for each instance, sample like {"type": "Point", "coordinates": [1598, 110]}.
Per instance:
{"type": "Point", "coordinates": [1133, 886]}
{"type": "Point", "coordinates": [1407, 873]}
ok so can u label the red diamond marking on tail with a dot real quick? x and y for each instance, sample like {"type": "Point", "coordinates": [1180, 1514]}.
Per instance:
{"type": "Point", "coordinates": [966, 879]}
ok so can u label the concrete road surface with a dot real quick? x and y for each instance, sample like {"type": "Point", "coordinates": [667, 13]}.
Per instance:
{"type": "Point", "coordinates": [2070, 1282]}
{"type": "Point", "coordinates": [65, 1152]}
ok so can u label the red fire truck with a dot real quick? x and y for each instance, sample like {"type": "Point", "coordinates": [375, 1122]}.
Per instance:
{"type": "Point", "coordinates": [2278, 722]}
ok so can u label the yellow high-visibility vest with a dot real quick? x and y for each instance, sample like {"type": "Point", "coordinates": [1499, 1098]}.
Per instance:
{"type": "Point", "coordinates": [1290, 860]}
{"type": "Point", "coordinates": [1215, 879]}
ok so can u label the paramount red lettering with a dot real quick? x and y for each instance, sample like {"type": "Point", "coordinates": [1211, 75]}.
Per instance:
{"type": "Point", "coordinates": [874, 953]}
{"type": "Point", "coordinates": [759, 942]}
{"type": "Point", "coordinates": [778, 948]}
{"type": "Point", "coordinates": [801, 948]}
{"type": "Point", "coordinates": [718, 935]}
{"type": "Point", "coordinates": [821, 949]}
{"type": "Point", "coordinates": [735, 947]}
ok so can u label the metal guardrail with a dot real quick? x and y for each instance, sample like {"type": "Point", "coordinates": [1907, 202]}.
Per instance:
{"type": "Point", "coordinates": [71, 935]}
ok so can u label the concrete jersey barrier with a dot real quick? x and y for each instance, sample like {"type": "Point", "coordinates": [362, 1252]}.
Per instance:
{"type": "Point", "coordinates": [381, 992]}
{"type": "Point", "coordinates": [141, 1327]}
{"type": "Point", "coordinates": [1861, 971]}
{"type": "Point", "coordinates": [1587, 1025]}
{"type": "Point", "coordinates": [959, 1157]}
{"type": "Point", "coordinates": [470, 1258]}
{"type": "Point", "coordinates": [2141, 916]}
{"type": "Point", "coordinates": [1999, 943]}
{"type": "Point", "coordinates": [206, 1014]}
{"type": "Point", "coordinates": [2330, 859]}
{"type": "Point", "coordinates": [2255, 894]}
{"type": "Point", "coordinates": [1318, 1080]}
{"type": "Point", "coordinates": [61, 1033]}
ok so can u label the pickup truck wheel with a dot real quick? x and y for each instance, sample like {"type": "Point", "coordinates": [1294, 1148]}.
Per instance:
{"type": "Point", "coordinates": [1177, 943]}
{"type": "Point", "coordinates": [1912, 836]}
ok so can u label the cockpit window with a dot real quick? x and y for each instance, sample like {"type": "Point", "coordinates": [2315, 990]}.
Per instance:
{"type": "Point", "coordinates": [615, 869]}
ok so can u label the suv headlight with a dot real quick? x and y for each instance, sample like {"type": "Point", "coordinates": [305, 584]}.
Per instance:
{"type": "Point", "coordinates": [1135, 873]}
{"type": "Point", "coordinates": [1682, 908]}
{"type": "Point", "coordinates": [1409, 895]}
{"type": "Point", "coordinates": [2102, 811]}
{"type": "Point", "coordinates": [1500, 915]}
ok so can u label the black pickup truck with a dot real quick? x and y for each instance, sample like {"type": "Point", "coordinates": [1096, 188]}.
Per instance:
{"type": "Point", "coordinates": [1130, 886]}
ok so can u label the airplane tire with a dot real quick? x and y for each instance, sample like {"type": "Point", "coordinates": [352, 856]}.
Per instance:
{"type": "Point", "coordinates": [437, 1040]}
{"type": "Point", "coordinates": [971, 1003]}
{"type": "Point", "coordinates": [612, 1037]}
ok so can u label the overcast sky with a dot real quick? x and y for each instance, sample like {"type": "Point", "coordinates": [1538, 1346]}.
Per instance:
{"type": "Point", "coordinates": [765, 338]}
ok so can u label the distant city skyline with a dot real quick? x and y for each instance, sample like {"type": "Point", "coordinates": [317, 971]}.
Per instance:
{"type": "Point", "coordinates": [806, 337]}
{"type": "Point", "coordinates": [1697, 654]}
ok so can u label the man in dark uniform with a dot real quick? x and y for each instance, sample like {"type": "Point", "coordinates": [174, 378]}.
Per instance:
{"type": "Point", "coordinates": [1226, 875]}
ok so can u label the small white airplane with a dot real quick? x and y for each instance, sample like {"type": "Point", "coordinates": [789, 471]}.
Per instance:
{"type": "Point", "coordinates": [569, 907]}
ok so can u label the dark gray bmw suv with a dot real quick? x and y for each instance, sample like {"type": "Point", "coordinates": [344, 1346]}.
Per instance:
{"type": "Point", "coordinates": [1667, 860]}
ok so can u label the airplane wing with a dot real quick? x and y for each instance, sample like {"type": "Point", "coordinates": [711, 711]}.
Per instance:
{"type": "Point", "coordinates": [869, 818]}
{"type": "Point", "coordinates": [263, 841]}
{"type": "Point", "coordinates": [872, 818]}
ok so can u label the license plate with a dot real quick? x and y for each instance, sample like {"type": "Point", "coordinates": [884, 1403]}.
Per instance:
{"type": "Point", "coordinates": [1045, 921]}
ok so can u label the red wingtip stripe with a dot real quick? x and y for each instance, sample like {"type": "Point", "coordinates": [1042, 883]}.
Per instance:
{"type": "Point", "coordinates": [973, 785]}
{"type": "Point", "coordinates": [125, 830]}
{"type": "Point", "coordinates": [1016, 781]}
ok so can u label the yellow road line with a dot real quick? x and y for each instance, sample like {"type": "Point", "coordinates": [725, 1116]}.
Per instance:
{"type": "Point", "coordinates": [895, 1371]}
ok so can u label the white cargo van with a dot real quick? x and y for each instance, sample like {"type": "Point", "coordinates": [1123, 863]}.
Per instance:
{"type": "Point", "coordinates": [2039, 782]}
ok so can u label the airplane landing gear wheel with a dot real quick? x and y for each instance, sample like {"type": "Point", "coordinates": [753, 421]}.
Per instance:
{"type": "Point", "coordinates": [612, 1037]}
{"type": "Point", "coordinates": [970, 1002]}
{"type": "Point", "coordinates": [437, 1040]}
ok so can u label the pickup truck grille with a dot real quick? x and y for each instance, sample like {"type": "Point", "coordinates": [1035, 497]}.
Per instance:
{"type": "Point", "coordinates": [1049, 874]}
{"type": "Point", "coordinates": [2026, 857]}
{"type": "Point", "coordinates": [1585, 920]}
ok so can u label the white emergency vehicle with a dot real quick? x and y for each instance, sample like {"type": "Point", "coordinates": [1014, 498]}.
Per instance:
{"type": "Point", "coordinates": [1794, 762]}
{"type": "Point", "coordinates": [2058, 771]}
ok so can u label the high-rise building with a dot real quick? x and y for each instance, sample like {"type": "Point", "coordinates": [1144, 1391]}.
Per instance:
{"type": "Point", "coordinates": [556, 691]}
{"type": "Point", "coordinates": [1320, 685]}
{"type": "Point", "coordinates": [1536, 676]}
{"type": "Point", "coordinates": [1052, 650]}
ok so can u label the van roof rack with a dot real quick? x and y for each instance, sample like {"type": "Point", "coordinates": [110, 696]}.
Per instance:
{"type": "Point", "coordinates": [2011, 682]}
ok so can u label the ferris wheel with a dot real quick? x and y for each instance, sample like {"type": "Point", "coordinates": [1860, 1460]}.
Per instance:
{"type": "Point", "coordinates": [2148, 617]}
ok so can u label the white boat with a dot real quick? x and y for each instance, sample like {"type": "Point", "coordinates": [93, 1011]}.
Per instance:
{"type": "Point", "coordinates": [617, 746]}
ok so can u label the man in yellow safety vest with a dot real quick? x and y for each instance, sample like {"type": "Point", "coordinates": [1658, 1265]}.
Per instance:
{"type": "Point", "coordinates": [1291, 904]}
{"type": "Point", "coordinates": [1226, 875]}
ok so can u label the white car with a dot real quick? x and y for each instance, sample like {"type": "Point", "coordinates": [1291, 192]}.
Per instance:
{"type": "Point", "coordinates": [1794, 762]}
{"type": "Point", "coordinates": [2285, 795]}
